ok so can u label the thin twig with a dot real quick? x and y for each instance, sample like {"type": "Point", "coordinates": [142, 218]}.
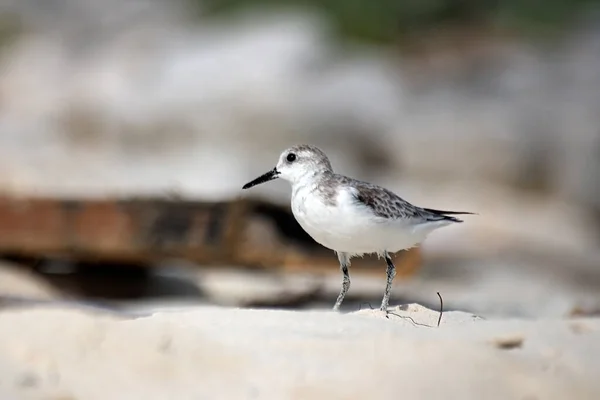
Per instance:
{"type": "Point", "coordinates": [411, 319]}
{"type": "Point", "coordinates": [441, 308]}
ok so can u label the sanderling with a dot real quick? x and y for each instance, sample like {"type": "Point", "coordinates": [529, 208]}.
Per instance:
{"type": "Point", "coordinates": [349, 216]}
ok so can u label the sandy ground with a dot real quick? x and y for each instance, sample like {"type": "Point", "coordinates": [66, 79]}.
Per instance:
{"type": "Point", "coordinates": [226, 353]}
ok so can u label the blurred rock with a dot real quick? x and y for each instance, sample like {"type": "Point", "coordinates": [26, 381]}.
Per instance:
{"type": "Point", "coordinates": [19, 282]}
{"type": "Point", "coordinates": [177, 94]}
{"type": "Point", "coordinates": [255, 289]}
{"type": "Point", "coordinates": [184, 100]}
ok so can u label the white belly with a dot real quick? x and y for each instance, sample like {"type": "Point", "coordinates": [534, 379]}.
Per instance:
{"type": "Point", "coordinates": [352, 228]}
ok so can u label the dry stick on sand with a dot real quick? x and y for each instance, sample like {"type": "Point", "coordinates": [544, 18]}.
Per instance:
{"type": "Point", "coordinates": [441, 308]}
{"type": "Point", "coordinates": [410, 318]}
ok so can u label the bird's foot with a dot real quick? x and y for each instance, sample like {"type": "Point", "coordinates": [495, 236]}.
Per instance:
{"type": "Point", "coordinates": [385, 311]}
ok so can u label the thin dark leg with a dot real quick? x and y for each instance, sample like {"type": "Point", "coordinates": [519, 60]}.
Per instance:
{"type": "Point", "coordinates": [390, 274]}
{"type": "Point", "coordinates": [344, 264]}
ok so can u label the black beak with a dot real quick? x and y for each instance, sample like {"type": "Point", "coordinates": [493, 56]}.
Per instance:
{"type": "Point", "coordinates": [269, 176]}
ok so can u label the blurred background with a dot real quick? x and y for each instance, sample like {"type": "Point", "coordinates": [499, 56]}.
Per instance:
{"type": "Point", "coordinates": [484, 106]}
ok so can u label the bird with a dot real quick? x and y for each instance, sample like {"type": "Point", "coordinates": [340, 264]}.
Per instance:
{"type": "Point", "coordinates": [350, 216]}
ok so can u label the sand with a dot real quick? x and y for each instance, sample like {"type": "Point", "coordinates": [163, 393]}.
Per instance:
{"type": "Point", "coordinates": [227, 353]}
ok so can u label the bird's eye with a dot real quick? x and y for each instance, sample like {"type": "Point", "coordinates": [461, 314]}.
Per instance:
{"type": "Point", "coordinates": [291, 157]}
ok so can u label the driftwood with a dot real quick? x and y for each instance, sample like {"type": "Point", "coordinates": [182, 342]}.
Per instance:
{"type": "Point", "coordinates": [248, 233]}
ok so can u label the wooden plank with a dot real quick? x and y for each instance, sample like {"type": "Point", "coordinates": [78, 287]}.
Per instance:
{"type": "Point", "coordinates": [248, 233]}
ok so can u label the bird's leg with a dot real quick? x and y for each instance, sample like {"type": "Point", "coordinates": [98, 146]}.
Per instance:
{"type": "Point", "coordinates": [344, 264]}
{"type": "Point", "coordinates": [390, 273]}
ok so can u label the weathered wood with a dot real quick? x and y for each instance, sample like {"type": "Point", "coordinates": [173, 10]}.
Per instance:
{"type": "Point", "coordinates": [143, 231]}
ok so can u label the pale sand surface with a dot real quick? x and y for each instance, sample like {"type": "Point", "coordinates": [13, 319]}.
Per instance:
{"type": "Point", "coordinates": [226, 353]}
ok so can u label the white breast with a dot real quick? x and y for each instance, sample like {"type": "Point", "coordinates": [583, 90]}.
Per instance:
{"type": "Point", "coordinates": [350, 227]}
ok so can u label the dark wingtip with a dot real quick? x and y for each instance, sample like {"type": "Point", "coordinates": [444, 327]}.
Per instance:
{"type": "Point", "coordinates": [447, 215]}
{"type": "Point", "coordinates": [442, 212]}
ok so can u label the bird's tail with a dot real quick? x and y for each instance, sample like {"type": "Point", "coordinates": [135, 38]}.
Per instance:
{"type": "Point", "coordinates": [446, 215]}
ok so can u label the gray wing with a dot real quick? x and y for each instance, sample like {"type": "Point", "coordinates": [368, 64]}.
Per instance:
{"type": "Point", "coordinates": [386, 204]}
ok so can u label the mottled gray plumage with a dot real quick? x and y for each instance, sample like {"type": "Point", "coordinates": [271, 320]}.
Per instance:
{"type": "Point", "coordinates": [383, 202]}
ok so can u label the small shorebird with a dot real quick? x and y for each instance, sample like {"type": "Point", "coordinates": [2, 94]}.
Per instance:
{"type": "Point", "coordinates": [352, 217]}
